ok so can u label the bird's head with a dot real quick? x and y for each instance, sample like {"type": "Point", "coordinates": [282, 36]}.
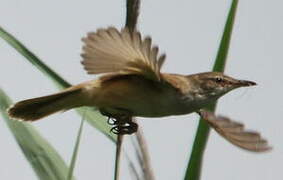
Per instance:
{"type": "Point", "coordinates": [215, 84]}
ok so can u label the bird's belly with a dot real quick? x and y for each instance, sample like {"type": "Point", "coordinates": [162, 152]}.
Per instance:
{"type": "Point", "coordinates": [146, 102]}
{"type": "Point", "coordinates": [153, 107]}
{"type": "Point", "coordinates": [167, 106]}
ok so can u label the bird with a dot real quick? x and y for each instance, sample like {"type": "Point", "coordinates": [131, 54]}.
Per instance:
{"type": "Point", "coordinates": [130, 84]}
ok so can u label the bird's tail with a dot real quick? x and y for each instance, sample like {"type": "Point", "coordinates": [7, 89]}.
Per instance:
{"type": "Point", "coordinates": [37, 108]}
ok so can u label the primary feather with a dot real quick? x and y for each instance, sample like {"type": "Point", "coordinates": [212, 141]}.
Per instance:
{"type": "Point", "coordinates": [235, 133]}
{"type": "Point", "coordinates": [112, 51]}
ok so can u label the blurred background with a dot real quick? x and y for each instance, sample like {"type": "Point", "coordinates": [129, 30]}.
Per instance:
{"type": "Point", "coordinates": [189, 32]}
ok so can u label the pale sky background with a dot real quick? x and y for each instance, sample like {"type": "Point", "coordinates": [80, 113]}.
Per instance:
{"type": "Point", "coordinates": [189, 32]}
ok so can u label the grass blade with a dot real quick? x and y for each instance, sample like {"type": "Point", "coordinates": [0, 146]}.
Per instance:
{"type": "Point", "coordinates": [133, 171]}
{"type": "Point", "coordinates": [75, 153]}
{"type": "Point", "coordinates": [33, 59]}
{"type": "Point", "coordinates": [93, 117]}
{"type": "Point", "coordinates": [118, 157]}
{"type": "Point", "coordinates": [46, 162]}
{"type": "Point", "coordinates": [144, 156]}
{"type": "Point", "coordinates": [194, 167]}
{"type": "Point", "coordinates": [133, 7]}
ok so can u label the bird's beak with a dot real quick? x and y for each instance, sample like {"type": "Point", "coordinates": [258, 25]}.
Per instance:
{"type": "Point", "coordinates": [244, 83]}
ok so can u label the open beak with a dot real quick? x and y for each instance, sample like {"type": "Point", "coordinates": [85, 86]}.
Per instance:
{"type": "Point", "coordinates": [244, 83]}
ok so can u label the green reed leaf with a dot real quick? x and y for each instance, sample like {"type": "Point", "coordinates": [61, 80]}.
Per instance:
{"type": "Point", "coordinates": [194, 166]}
{"type": "Point", "coordinates": [93, 117]}
{"type": "Point", "coordinates": [44, 159]}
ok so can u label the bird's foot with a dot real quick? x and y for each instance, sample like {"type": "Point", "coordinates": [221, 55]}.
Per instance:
{"type": "Point", "coordinates": [111, 121]}
{"type": "Point", "coordinates": [126, 128]}
{"type": "Point", "coordinates": [122, 122]}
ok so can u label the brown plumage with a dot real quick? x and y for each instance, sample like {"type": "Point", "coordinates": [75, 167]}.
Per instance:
{"type": "Point", "coordinates": [235, 133]}
{"type": "Point", "coordinates": [37, 108]}
{"type": "Point", "coordinates": [132, 85]}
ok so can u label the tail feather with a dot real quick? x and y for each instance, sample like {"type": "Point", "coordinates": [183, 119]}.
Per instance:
{"type": "Point", "coordinates": [37, 108]}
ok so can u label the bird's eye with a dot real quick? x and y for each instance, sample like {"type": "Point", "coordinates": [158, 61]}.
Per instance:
{"type": "Point", "coordinates": [218, 79]}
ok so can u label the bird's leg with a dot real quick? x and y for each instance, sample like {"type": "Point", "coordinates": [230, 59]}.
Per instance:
{"type": "Point", "coordinates": [122, 122]}
{"type": "Point", "coordinates": [111, 120]}
{"type": "Point", "coordinates": [124, 125]}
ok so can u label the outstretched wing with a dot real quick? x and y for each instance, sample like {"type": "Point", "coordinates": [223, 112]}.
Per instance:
{"type": "Point", "coordinates": [113, 51]}
{"type": "Point", "coordinates": [235, 133]}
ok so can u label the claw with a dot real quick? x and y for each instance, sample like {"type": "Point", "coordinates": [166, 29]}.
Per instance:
{"type": "Point", "coordinates": [111, 121]}
{"type": "Point", "coordinates": [127, 128]}
{"type": "Point", "coordinates": [115, 130]}
{"type": "Point", "coordinates": [133, 127]}
{"type": "Point", "coordinates": [122, 123]}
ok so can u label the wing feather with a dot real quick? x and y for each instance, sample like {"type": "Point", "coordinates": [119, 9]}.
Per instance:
{"type": "Point", "coordinates": [112, 51]}
{"type": "Point", "coordinates": [235, 133]}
